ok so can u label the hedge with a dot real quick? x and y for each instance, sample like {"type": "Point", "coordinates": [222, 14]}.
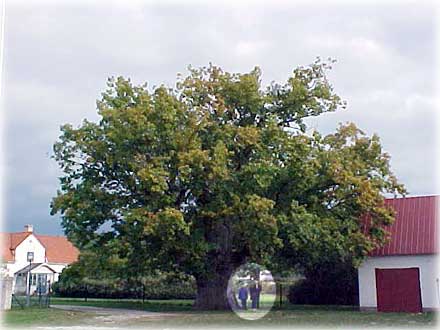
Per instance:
{"type": "Point", "coordinates": [338, 286]}
{"type": "Point", "coordinates": [152, 289]}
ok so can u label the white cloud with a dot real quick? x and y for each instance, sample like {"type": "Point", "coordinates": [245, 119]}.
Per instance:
{"type": "Point", "coordinates": [249, 48]}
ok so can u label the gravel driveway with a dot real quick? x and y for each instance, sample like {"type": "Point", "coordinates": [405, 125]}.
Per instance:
{"type": "Point", "coordinates": [111, 318]}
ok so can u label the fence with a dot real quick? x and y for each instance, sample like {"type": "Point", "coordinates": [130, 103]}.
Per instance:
{"type": "Point", "coordinates": [41, 300]}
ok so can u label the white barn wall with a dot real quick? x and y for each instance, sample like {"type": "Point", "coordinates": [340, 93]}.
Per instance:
{"type": "Point", "coordinates": [429, 277]}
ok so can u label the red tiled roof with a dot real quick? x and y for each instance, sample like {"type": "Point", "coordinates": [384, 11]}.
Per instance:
{"type": "Point", "coordinates": [415, 228]}
{"type": "Point", "coordinates": [58, 248]}
{"type": "Point", "coordinates": [9, 241]}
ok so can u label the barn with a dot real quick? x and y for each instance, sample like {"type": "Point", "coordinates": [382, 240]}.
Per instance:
{"type": "Point", "coordinates": [402, 276]}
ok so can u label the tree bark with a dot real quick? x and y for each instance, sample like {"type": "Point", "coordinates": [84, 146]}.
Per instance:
{"type": "Point", "coordinates": [212, 293]}
{"type": "Point", "coordinates": [212, 286]}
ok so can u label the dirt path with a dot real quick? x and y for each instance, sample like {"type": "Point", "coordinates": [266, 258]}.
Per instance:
{"type": "Point", "coordinates": [114, 317]}
{"type": "Point", "coordinates": [116, 314]}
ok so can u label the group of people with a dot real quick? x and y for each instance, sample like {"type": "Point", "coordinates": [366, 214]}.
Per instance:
{"type": "Point", "coordinates": [253, 291]}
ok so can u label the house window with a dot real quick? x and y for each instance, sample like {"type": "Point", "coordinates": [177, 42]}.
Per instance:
{"type": "Point", "coordinates": [34, 279]}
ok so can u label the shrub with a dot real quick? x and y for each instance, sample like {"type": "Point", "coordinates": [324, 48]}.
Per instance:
{"type": "Point", "coordinates": [327, 286]}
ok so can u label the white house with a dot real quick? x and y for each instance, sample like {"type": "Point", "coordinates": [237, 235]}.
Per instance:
{"type": "Point", "coordinates": [51, 254]}
{"type": "Point", "coordinates": [402, 276]}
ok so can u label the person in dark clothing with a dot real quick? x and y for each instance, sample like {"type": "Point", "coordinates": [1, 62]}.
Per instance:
{"type": "Point", "coordinates": [254, 292]}
{"type": "Point", "coordinates": [243, 296]}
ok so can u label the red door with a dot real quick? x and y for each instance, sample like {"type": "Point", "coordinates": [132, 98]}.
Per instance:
{"type": "Point", "coordinates": [398, 290]}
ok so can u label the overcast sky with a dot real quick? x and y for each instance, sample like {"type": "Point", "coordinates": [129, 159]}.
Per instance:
{"type": "Point", "coordinates": [58, 58]}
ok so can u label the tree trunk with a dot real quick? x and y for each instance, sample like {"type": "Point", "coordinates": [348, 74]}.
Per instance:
{"type": "Point", "coordinates": [212, 286]}
{"type": "Point", "coordinates": [212, 293]}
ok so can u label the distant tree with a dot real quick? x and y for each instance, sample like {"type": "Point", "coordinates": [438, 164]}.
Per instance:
{"type": "Point", "coordinates": [249, 269]}
{"type": "Point", "coordinates": [93, 267]}
{"type": "Point", "coordinates": [218, 172]}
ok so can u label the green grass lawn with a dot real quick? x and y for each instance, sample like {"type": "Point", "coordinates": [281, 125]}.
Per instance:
{"type": "Point", "coordinates": [172, 305]}
{"type": "Point", "coordinates": [165, 305]}
{"type": "Point", "coordinates": [286, 316]}
{"type": "Point", "coordinates": [35, 316]}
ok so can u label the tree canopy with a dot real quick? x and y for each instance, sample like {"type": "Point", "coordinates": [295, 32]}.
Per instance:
{"type": "Point", "coordinates": [219, 171]}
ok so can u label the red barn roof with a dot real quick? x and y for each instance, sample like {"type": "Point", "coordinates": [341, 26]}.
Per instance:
{"type": "Point", "coordinates": [415, 228]}
{"type": "Point", "coordinates": [58, 248]}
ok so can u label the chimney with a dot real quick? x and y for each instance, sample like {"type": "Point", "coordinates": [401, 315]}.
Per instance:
{"type": "Point", "coordinates": [28, 228]}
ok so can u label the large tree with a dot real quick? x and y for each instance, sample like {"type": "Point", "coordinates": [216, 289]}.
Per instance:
{"type": "Point", "coordinates": [218, 171]}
